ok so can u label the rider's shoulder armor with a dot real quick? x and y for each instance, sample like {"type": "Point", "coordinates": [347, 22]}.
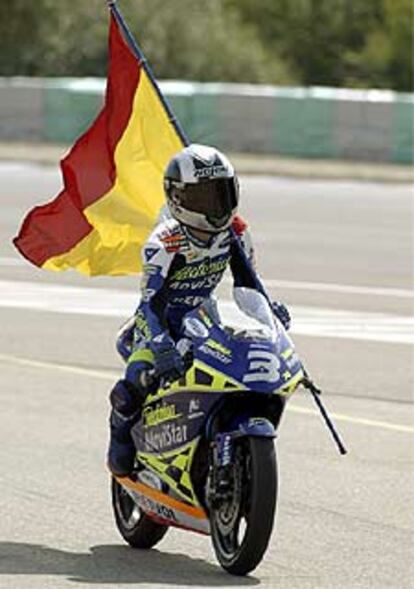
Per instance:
{"type": "Point", "coordinates": [172, 236]}
{"type": "Point", "coordinates": [166, 240]}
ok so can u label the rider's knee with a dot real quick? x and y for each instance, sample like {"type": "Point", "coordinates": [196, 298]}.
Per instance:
{"type": "Point", "coordinates": [124, 398]}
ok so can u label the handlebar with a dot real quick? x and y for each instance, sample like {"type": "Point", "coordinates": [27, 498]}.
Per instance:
{"type": "Point", "coordinates": [150, 380]}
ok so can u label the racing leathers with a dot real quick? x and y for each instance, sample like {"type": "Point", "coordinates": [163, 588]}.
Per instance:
{"type": "Point", "coordinates": [180, 273]}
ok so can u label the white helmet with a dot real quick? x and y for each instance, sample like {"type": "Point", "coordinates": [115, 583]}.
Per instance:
{"type": "Point", "coordinates": [202, 188]}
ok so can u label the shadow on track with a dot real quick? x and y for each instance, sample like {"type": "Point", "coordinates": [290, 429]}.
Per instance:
{"type": "Point", "coordinates": [115, 564]}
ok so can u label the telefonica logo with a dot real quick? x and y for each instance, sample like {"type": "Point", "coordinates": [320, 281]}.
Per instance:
{"type": "Point", "coordinates": [159, 414]}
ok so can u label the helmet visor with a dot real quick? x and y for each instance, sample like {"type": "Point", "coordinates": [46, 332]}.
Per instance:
{"type": "Point", "coordinates": [216, 199]}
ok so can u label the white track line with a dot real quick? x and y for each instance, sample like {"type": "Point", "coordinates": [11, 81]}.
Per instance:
{"type": "Point", "coordinates": [100, 374]}
{"type": "Point", "coordinates": [10, 261]}
{"type": "Point", "coordinates": [355, 420]}
{"type": "Point", "coordinates": [309, 321]}
{"type": "Point", "coordinates": [342, 288]}
{"type": "Point", "coordinates": [112, 376]}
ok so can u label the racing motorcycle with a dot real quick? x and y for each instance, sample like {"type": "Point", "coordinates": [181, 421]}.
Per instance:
{"type": "Point", "coordinates": [206, 457]}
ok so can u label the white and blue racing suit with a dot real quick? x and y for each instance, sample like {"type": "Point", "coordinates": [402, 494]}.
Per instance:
{"type": "Point", "coordinates": [180, 273]}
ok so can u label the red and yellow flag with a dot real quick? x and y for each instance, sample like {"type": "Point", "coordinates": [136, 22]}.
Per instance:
{"type": "Point", "coordinates": [113, 188]}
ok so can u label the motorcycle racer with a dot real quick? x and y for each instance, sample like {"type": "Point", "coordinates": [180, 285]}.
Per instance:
{"type": "Point", "coordinates": [184, 259]}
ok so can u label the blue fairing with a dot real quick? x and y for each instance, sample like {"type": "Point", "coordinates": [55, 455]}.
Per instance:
{"type": "Point", "coordinates": [261, 364]}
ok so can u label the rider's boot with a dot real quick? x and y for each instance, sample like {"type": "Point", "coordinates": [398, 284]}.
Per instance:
{"type": "Point", "coordinates": [126, 401]}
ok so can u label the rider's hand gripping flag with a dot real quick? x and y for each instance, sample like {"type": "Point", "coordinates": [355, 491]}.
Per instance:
{"type": "Point", "coordinates": [113, 189]}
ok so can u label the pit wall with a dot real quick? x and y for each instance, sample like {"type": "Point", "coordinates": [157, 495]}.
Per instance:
{"type": "Point", "coordinates": [331, 123]}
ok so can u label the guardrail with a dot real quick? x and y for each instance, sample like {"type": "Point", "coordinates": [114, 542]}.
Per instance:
{"type": "Point", "coordinates": [371, 125]}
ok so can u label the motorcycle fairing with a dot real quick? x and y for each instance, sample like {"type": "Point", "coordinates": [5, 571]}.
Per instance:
{"type": "Point", "coordinates": [165, 509]}
{"type": "Point", "coordinates": [201, 377]}
{"type": "Point", "coordinates": [174, 419]}
{"type": "Point", "coordinates": [258, 363]}
{"type": "Point", "coordinates": [173, 467]}
{"type": "Point", "coordinates": [224, 362]}
{"type": "Point", "coordinates": [168, 432]}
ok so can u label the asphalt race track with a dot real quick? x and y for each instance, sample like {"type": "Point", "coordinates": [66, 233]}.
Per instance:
{"type": "Point", "coordinates": [340, 254]}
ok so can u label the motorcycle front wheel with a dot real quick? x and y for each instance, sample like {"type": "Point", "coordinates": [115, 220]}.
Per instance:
{"type": "Point", "coordinates": [241, 525]}
{"type": "Point", "coordinates": [139, 530]}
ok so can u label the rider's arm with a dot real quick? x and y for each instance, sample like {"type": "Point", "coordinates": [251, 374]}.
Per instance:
{"type": "Point", "coordinates": [150, 312]}
{"type": "Point", "coordinates": [243, 264]}
{"type": "Point", "coordinates": [242, 261]}
{"type": "Point", "coordinates": [150, 315]}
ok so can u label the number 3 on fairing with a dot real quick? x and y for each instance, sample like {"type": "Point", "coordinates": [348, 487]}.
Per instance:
{"type": "Point", "coordinates": [263, 366]}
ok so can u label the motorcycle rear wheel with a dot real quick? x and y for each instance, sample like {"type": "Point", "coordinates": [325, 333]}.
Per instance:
{"type": "Point", "coordinates": [241, 528]}
{"type": "Point", "coordinates": [139, 530]}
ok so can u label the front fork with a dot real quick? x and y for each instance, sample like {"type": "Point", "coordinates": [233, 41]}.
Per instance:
{"type": "Point", "coordinates": [220, 481]}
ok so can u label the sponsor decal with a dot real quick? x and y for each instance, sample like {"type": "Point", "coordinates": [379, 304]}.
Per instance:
{"type": "Point", "coordinates": [149, 478]}
{"type": "Point", "coordinates": [189, 256]}
{"type": "Point", "coordinates": [225, 449]}
{"type": "Point", "coordinates": [174, 241]}
{"type": "Point", "coordinates": [155, 415]}
{"type": "Point", "coordinates": [165, 437]}
{"type": "Point", "coordinates": [212, 171]}
{"type": "Point", "coordinates": [201, 269]}
{"type": "Point", "coordinates": [208, 282]}
{"type": "Point", "coordinates": [195, 327]}
{"type": "Point", "coordinates": [292, 362]}
{"type": "Point", "coordinates": [287, 353]}
{"type": "Point", "coordinates": [204, 316]}
{"type": "Point", "coordinates": [194, 410]}
{"type": "Point", "coordinates": [150, 252]}
{"type": "Point", "coordinates": [147, 294]}
{"type": "Point", "coordinates": [194, 405]}
{"type": "Point", "coordinates": [159, 509]}
{"type": "Point", "coordinates": [215, 354]}
{"type": "Point", "coordinates": [175, 248]}
{"type": "Point", "coordinates": [142, 325]}
{"type": "Point", "coordinates": [151, 269]}
{"type": "Point", "coordinates": [188, 301]}
{"type": "Point", "coordinates": [218, 346]}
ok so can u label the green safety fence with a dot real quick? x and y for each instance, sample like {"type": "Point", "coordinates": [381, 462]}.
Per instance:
{"type": "Point", "coordinates": [371, 125]}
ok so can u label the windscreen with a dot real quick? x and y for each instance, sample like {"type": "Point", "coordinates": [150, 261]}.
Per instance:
{"type": "Point", "coordinates": [254, 305]}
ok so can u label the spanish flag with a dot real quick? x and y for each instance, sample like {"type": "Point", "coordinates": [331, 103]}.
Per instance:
{"type": "Point", "coordinates": [113, 189]}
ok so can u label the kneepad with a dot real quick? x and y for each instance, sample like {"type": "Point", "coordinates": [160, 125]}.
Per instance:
{"type": "Point", "coordinates": [125, 398]}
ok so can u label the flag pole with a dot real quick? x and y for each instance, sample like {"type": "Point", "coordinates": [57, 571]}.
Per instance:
{"type": "Point", "coordinates": [113, 7]}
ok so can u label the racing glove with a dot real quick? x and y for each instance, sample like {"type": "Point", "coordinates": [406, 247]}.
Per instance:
{"type": "Point", "coordinates": [168, 363]}
{"type": "Point", "coordinates": [281, 312]}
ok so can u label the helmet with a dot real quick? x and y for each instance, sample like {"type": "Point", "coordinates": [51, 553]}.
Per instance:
{"type": "Point", "coordinates": [201, 188]}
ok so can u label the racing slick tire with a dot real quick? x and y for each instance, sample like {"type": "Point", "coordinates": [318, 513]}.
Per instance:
{"type": "Point", "coordinates": [137, 528]}
{"type": "Point", "coordinates": [242, 525]}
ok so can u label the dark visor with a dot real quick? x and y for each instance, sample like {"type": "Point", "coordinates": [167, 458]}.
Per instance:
{"type": "Point", "coordinates": [213, 198]}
